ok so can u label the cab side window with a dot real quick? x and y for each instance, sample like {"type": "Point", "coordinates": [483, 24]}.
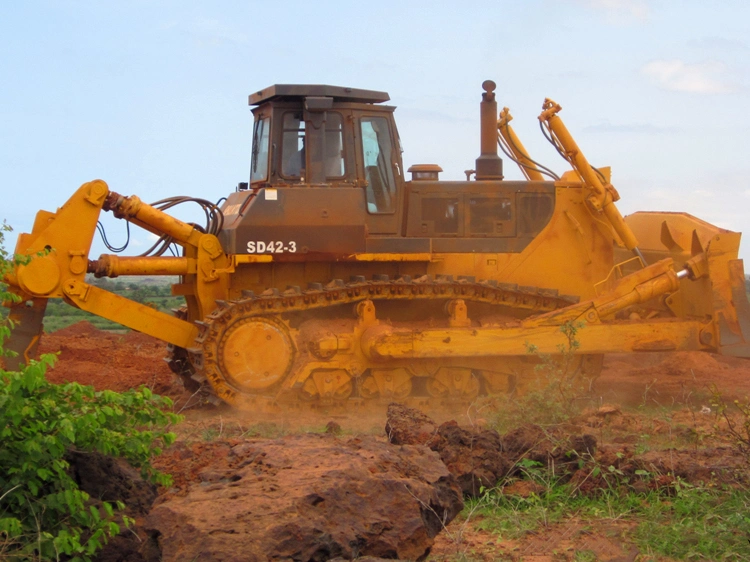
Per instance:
{"type": "Point", "coordinates": [293, 146]}
{"type": "Point", "coordinates": [377, 152]}
{"type": "Point", "coordinates": [259, 160]}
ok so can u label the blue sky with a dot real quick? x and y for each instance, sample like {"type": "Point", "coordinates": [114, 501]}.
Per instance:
{"type": "Point", "coordinates": [152, 96]}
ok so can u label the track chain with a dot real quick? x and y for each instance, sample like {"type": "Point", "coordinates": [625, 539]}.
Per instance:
{"type": "Point", "coordinates": [335, 293]}
{"type": "Point", "coordinates": [273, 302]}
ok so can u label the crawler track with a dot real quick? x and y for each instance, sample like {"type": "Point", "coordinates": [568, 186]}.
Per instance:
{"type": "Point", "coordinates": [269, 323]}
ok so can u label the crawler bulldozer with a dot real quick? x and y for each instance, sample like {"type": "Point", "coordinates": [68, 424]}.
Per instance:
{"type": "Point", "coordinates": [335, 275]}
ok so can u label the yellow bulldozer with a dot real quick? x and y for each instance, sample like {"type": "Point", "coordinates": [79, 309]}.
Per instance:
{"type": "Point", "coordinates": [330, 276]}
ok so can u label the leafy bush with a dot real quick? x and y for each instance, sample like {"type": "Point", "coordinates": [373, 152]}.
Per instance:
{"type": "Point", "coordinates": [557, 391]}
{"type": "Point", "coordinates": [736, 417]}
{"type": "Point", "coordinates": [43, 513]}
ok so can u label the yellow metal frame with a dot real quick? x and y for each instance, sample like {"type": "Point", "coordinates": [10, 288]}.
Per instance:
{"type": "Point", "coordinates": [60, 243]}
{"type": "Point", "coordinates": [573, 253]}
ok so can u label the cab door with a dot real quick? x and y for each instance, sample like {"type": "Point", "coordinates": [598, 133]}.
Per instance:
{"type": "Point", "coordinates": [380, 169]}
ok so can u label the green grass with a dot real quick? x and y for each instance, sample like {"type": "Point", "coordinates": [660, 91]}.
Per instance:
{"type": "Point", "coordinates": [681, 521]}
{"type": "Point", "coordinates": [54, 323]}
{"type": "Point", "coordinates": [677, 520]}
{"type": "Point", "coordinates": [697, 524]}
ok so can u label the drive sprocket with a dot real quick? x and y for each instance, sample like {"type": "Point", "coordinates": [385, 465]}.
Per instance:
{"type": "Point", "coordinates": [243, 354]}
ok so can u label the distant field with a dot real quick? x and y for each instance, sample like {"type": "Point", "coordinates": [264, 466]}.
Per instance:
{"type": "Point", "coordinates": [153, 291]}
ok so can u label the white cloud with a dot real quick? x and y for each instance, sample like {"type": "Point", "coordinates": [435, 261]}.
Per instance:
{"type": "Point", "coordinates": [699, 78]}
{"type": "Point", "coordinates": [621, 11]}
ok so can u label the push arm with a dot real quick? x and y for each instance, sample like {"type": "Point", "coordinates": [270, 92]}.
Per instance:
{"type": "Point", "coordinates": [384, 342]}
{"type": "Point", "coordinates": [60, 243]}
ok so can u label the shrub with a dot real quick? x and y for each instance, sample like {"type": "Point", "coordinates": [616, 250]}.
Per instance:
{"type": "Point", "coordinates": [43, 513]}
{"type": "Point", "coordinates": [736, 417]}
{"type": "Point", "coordinates": [558, 389]}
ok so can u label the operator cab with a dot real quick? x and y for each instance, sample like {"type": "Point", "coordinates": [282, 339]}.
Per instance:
{"type": "Point", "coordinates": [317, 135]}
{"type": "Point", "coordinates": [326, 176]}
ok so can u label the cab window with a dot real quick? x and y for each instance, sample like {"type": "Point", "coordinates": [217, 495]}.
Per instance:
{"type": "Point", "coordinates": [377, 152]}
{"type": "Point", "coordinates": [534, 212]}
{"type": "Point", "coordinates": [440, 215]}
{"type": "Point", "coordinates": [259, 159]}
{"type": "Point", "coordinates": [293, 146]}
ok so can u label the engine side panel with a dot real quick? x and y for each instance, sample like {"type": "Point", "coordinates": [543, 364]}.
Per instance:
{"type": "Point", "coordinates": [297, 220]}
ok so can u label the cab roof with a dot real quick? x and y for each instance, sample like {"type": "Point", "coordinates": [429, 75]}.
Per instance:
{"type": "Point", "coordinates": [300, 91]}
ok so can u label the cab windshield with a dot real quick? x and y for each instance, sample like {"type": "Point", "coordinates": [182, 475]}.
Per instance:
{"type": "Point", "coordinates": [377, 152]}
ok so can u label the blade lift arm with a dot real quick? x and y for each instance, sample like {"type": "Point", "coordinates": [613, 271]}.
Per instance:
{"type": "Point", "coordinates": [602, 194]}
{"type": "Point", "coordinates": [514, 149]}
{"type": "Point", "coordinates": [61, 242]}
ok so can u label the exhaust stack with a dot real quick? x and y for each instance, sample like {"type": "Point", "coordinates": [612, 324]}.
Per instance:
{"type": "Point", "coordinates": [489, 166]}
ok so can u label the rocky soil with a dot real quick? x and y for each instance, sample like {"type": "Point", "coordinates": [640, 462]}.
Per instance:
{"type": "Point", "coordinates": [379, 484]}
{"type": "Point", "coordinates": [307, 497]}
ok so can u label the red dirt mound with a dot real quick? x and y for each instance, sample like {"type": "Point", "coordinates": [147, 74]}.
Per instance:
{"type": "Point", "coordinates": [667, 379]}
{"type": "Point", "coordinates": [108, 360]}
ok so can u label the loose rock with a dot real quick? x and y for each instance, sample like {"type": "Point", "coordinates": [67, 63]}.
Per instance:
{"type": "Point", "coordinates": [474, 457]}
{"type": "Point", "coordinates": [333, 427]}
{"type": "Point", "coordinates": [406, 425]}
{"type": "Point", "coordinates": [311, 498]}
{"type": "Point", "coordinates": [481, 457]}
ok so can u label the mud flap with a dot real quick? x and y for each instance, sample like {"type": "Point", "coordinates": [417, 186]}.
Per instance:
{"type": "Point", "coordinates": [735, 335]}
{"type": "Point", "coordinates": [24, 338]}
